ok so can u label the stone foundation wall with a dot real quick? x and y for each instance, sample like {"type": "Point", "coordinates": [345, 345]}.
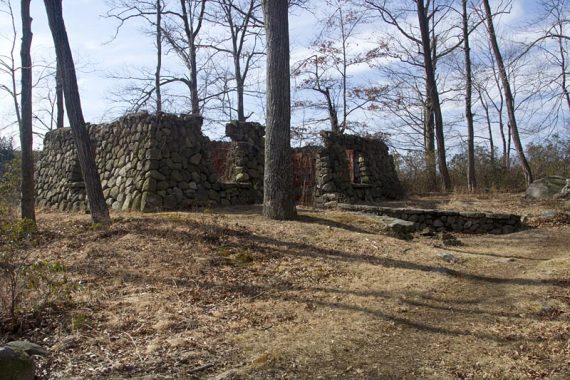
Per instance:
{"type": "Point", "coordinates": [146, 162]}
{"type": "Point", "coordinates": [247, 155]}
{"type": "Point", "coordinates": [441, 220]}
{"type": "Point", "coordinates": [150, 162]}
{"type": "Point", "coordinates": [355, 169]}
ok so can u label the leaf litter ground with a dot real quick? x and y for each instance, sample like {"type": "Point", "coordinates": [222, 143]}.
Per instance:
{"type": "Point", "coordinates": [226, 294]}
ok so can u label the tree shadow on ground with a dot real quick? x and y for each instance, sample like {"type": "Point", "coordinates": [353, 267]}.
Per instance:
{"type": "Point", "coordinates": [311, 219]}
{"type": "Point", "coordinates": [463, 251]}
{"type": "Point", "coordinates": [272, 247]}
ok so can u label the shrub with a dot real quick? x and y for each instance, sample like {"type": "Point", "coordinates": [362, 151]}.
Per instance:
{"type": "Point", "coordinates": [9, 189]}
{"type": "Point", "coordinates": [26, 285]}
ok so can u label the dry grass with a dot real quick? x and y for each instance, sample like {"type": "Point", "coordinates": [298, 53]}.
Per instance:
{"type": "Point", "coordinates": [228, 294]}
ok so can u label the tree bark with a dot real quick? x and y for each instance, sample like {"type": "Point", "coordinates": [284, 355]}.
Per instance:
{"type": "Point", "coordinates": [505, 159]}
{"type": "Point", "coordinates": [240, 88]}
{"type": "Point", "coordinates": [158, 56]}
{"type": "Point", "coordinates": [191, 37]}
{"type": "Point", "coordinates": [278, 199]}
{"type": "Point", "coordinates": [563, 71]}
{"type": "Point", "coordinates": [26, 135]}
{"type": "Point", "coordinates": [429, 146]}
{"type": "Point", "coordinates": [509, 99]}
{"type": "Point", "coordinates": [485, 106]}
{"type": "Point", "coordinates": [433, 94]}
{"type": "Point", "coordinates": [85, 151]}
{"type": "Point", "coordinates": [471, 176]}
{"type": "Point", "coordinates": [333, 116]}
{"type": "Point", "coordinates": [60, 119]}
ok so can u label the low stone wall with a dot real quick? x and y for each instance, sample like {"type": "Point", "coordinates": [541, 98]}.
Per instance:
{"type": "Point", "coordinates": [146, 162]}
{"type": "Point", "coordinates": [441, 220]}
{"type": "Point", "coordinates": [355, 169]}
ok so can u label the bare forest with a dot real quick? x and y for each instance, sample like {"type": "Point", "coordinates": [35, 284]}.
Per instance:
{"type": "Point", "coordinates": [245, 189]}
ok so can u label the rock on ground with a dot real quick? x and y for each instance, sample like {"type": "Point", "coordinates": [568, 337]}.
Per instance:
{"type": "Point", "coordinates": [546, 188]}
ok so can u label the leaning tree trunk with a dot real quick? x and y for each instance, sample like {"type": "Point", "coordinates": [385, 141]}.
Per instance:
{"type": "Point", "coordinates": [471, 178]}
{"type": "Point", "coordinates": [26, 135]}
{"type": "Point", "coordinates": [333, 116]}
{"type": "Point", "coordinates": [59, 97]}
{"type": "Point", "coordinates": [278, 200]}
{"type": "Point", "coordinates": [509, 99]}
{"type": "Point", "coordinates": [485, 106]}
{"type": "Point", "coordinates": [85, 152]}
{"type": "Point", "coordinates": [564, 70]}
{"type": "Point", "coordinates": [433, 94]}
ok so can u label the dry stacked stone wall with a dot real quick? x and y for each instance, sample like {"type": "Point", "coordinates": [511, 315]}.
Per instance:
{"type": "Point", "coordinates": [150, 162]}
{"type": "Point", "coordinates": [443, 220]}
{"type": "Point", "coordinates": [246, 156]}
{"type": "Point", "coordinates": [146, 162]}
{"type": "Point", "coordinates": [355, 169]}
{"type": "Point", "coordinates": [58, 176]}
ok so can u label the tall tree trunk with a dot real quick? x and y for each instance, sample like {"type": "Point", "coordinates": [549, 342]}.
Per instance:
{"type": "Point", "coordinates": [158, 56]}
{"type": "Point", "coordinates": [26, 135]}
{"type": "Point", "coordinates": [509, 99]}
{"type": "Point", "coordinates": [563, 73]}
{"type": "Point", "coordinates": [333, 116]}
{"type": "Point", "coordinates": [239, 89]}
{"type": "Point", "coordinates": [504, 142]}
{"type": "Point", "coordinates": [471, 177]}
{"type": "Point", "coordinates": [191, 37]}
{"type": "Point", "coordinates": [509, 144]}
{"type": "Point", "coordinates": [344, 71]}
{"type": "Point", "coordinates": [60, 118]}
{"type": "Point", "coordinates": [236, 55]}
{"type": "Point", "coordinates": [278, 199]}
{"type": "Point", "coordinates": [85, 151]}
{"type": "Point", "coordinates": [485, 106]}
{"type": "Point", "coordinates": [429, 146]}
{"type": "Point", "coordinates": [433, 94]}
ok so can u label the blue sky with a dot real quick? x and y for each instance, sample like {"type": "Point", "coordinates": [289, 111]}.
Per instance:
{"type": "Point", "coordinates": [97, 56]}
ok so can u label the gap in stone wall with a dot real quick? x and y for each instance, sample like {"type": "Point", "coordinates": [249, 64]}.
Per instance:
{"type": "Point", "coordinates": [164, 162]}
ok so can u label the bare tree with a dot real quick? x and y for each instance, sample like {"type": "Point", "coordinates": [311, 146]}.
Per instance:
{"type": "Point", "coordinates": [471, 176]}
{"type": "Point", "coordinates": [45, 101]}
{"type": "Point", "coordinates": [184, 41]}
{"type": "Point", "coordinates": [509, 99]}
{"type": "Point", "coordinates": [243, 42]}
{"type": "Point", "coordinates": [85, 151]}
{"type": "Point", "coordinates": [278, 199]}
{"type": "Point", "coordinates": [26, 133]}
{"type": "Point", "coordinates": [151, 11]}
{"type": "Point", "coordinates": [559, 13]}
{"type": "Point", "coordinates": [555, 21]}
{"type": "Point", "coordinates": [486, 108]}
{"type": "Point", "coordinates": [59, 97]}
{"type": "Point", "coordinates": [326, 71]}
{"type": "Point", "coordinates": [8, 64]}
{"type": "Point", "coordinates": [431, 41]}
{"type": "Point", "coordinates": [157, 84]}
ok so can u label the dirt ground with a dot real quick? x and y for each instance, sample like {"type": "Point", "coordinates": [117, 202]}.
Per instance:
{"type": "Point", "coordinates": [226, 294]}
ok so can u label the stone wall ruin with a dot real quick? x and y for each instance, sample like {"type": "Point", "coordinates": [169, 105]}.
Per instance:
{"type": "Point", "coordinates": [150, 162]}
{"type": "Point", "coordinates": [146, 163]}
{"type": "Point", "coordinates": [354, 169]}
